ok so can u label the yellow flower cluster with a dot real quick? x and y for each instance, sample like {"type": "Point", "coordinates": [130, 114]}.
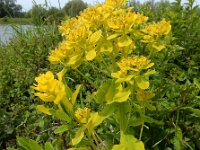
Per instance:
{"type": "Point", "coordinates": [153, 32]}
{"type": "Point", "coordinates": [49, 89]}
{"type": "Point", "coordinates": [99, 29]}
{"type": "Point", "coordinates": [161, 28]}
{"type": "Point", "coordinates": [130, 69]}
{"type": "Point", "coordinates": [135, 63]}
{"type": "Point", "coordinates": [82, 115]}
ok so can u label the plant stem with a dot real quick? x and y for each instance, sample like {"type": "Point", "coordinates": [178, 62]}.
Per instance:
{"type": "Point", "coordinates": [91, 141]}
{"type": "Point", "coordinates": [95, 139]}
{"type": "Point", "coordinates": [141, 131]}
{"type": "Point", "coordinates": [142, 127]}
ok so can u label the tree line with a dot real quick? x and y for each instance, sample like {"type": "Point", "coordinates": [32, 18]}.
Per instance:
{"type": "Point", "coordinates": [41, 13]}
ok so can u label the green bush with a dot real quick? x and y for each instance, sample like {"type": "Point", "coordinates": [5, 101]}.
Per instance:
{"type": "Point", "coordinates": [20, 61]}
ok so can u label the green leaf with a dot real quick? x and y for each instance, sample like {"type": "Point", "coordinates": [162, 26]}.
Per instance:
{"type": "Point", "coordinates": [177, 141]}
{"type": "Point", "coordinates": [97, 118]}
{"type": "Point", "coordinates": [75, 94]}
{"type": "Point", "coordinates": [63, 116]}
{"type": "Point", "coordinates": [23, 142]}
{"type": "Point", "coordinates": [136, 122]}
{"type": "Point", "coordinates": [122, 115]}
{"type": "Point", "coordinates": [194, 110]}
{"type": "Point", "coordinates": [122, 95]}
{"type": "Point", "coordinates": [151, 120]}
{"type": "Point", "coordinates": [28, 144]}
{"type": "Point", "coordinates": [66, 106]}
{"type": "Point", "coordinates": [196, 82]}
{"type": "Point", "coordinates": [149, 106]}
{"type": "Point", "coordinates": [34, 145]}
{"type": "Point", "coordinates": [142, 83]}
{"type": "Point", "coordinates": [110, 92]}
{"type": "Point", "coordinates": [79, 135]}
{"type": "Point", "coordinates": [100, 95]}
{"type": "Point", "coordinates": [43, 109]}
{"type": "Point", "coordinates": [60, 114]}
{"type": "Point", "coordinates": [61, 129]}
{"type": "Point", "coordinates": [129, 142]}
{"type": "Point", "coordinates": [48, 146]}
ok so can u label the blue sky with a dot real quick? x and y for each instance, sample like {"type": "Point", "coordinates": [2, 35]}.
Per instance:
{"type": "Point", "coordinates": [27, 4]}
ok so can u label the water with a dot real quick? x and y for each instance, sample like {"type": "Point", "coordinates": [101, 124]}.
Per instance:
{"type": "Point", "coordinates": [7, 32]}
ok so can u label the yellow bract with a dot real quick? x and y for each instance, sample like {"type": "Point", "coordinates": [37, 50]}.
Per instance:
{"type": "Point", "coordinates": [82, 115]}
{"type": "Point", "coordinates": [135, 63]}
{"type": "Point", "coordinates": [161, 28]}
{"type": "Point", "coordinates": [49, 89]}
{"type": "Point", "coordinates": [130, 71]}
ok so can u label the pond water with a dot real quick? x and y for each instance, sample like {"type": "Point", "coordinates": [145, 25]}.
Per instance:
{"type": "Point", "coordinates": [7, 32]}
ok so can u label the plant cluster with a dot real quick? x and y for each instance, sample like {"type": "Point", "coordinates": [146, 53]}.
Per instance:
{"type": "Point", "coordinates": [119, 43]}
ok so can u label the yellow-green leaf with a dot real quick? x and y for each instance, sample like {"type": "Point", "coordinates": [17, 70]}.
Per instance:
{"type": "Point", "coordinates": [48, 146]}
{"type": "Point", "coordinates": [75, 94]}
{"type": "Point", "coordinates": [142, 83]}
{"type": "Point", "coordinates": [112, 36]}
{"type": "Point", "coordinates": [129, 142]}
{"type": "Point", "coordinates": [74, 59]}
{"type": "Point", "coordinates": [158, 47]}
{"type": "Point", "coordinates": [90, 55]}
{"type": "Point", "coordinates": [43, 109]}
{"type": "Point", "coordinates": [95, 36]}
{"type": "Point", "coordinates": [107, 47]}
{"type": "Point", "coordinates": [61, 129]}
{"type": "Point", "coordinates": [124, 41]}
{"type": "Point", "coordinates": [79, 135]}
{"type": "Point", "coordinates": [122, 95]}
{"type": "Point", "coordinates": [100, 94]}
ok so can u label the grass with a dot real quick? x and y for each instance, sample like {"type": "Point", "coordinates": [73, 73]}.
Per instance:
{"type": "Point", "coordinates": [21, 21]}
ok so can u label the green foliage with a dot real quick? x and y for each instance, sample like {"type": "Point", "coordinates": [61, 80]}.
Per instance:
{"type": "Point", "coordinates": [15, 21]}
{"type": "Point", "coordinates": [45, 15]}
{"type": "Point", "coordinates": [23, 58]}
{"type": "Point", "coordinates": [74, 7]}
{"type": "Point", "coordinates": [10, 8]}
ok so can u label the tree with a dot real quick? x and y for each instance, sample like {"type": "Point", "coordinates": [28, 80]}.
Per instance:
{"type": "Point", "coordinates": [54, 14]}
{"type": "Point", "coordinates": [38, 14]}
{"type": "Point", "coordinates": [9, 8]}
{"type": "Point", "coordinates": [73, 7]}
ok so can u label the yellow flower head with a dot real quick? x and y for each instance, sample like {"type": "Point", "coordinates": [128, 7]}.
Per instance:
{"type": "Point", "coordinates": [49, 89]}
{"type": "Point", "coordinates": [161, 28]}
{"type": "Point", "coordinates": [115, 3]}
{"type": "Point", "coordinates": [82, 115]}
{"type": "Point", "coordinates": [123, 20]}
{"type": "Point", "coordinates": [66, 54]}
{"type": "Point", "coordinates": [135, 63]}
